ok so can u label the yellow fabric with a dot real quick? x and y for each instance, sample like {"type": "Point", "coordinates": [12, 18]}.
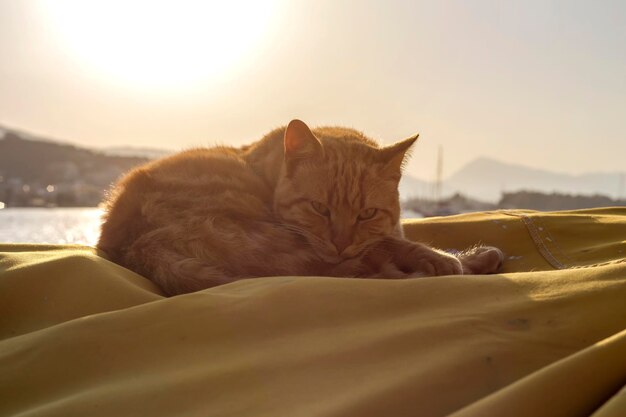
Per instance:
{"type": "Point", "coordinates": [80, 336]}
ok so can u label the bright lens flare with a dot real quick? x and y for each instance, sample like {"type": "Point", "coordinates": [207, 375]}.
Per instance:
{"type": "Point", "coordinates": [159, 44]}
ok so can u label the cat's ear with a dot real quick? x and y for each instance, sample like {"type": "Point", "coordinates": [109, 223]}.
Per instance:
{"type": "Point", "coordinates": [394, 156]}
{"type": "Point", "coordinates": [300, 142]}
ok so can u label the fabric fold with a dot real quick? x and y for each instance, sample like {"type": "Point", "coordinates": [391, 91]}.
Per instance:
{"type": "Point", "coordinates": [80, 335]}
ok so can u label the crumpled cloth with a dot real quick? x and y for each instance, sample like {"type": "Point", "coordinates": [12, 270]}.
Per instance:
{"type": "Point", "coordinates": [81, 336]}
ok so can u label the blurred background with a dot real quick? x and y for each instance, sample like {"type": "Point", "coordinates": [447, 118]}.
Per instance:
{"type": "Point", "coordinates": [520, 104]}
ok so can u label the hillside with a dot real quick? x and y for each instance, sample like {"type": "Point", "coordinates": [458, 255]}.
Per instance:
{"type": "Point", "coordinates": [486, 179]}
{"type": "Point", "coordinates": [37, 160]}
{"type": "Point", "coordinates": [39, 172]}
{"type": "Point", "coordinates": [411, 187]}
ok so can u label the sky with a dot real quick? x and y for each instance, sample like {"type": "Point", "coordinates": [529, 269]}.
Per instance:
{"type": "Point", "coordinates": [540, 83]}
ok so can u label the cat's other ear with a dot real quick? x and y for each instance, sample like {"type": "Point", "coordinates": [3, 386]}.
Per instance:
{"type": "Point", "coordinates": [394, 156]}
{"type": "Point", "coordinates": [300, 142]}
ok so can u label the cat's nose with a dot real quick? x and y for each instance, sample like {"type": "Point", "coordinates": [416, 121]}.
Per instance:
{"type": "Point", "coordinates": [341, 243]}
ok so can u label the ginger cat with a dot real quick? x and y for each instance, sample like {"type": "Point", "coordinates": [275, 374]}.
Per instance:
{"type": "Point", "coordinates": [297, 202]}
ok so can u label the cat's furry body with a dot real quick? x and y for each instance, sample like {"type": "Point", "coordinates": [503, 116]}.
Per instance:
{"type": "Point", "coordinates": [293, 203]}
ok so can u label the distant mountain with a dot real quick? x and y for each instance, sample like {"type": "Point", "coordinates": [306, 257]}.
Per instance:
{"type": "Point", "coordinates": [38, 172]}
{"type": "Point", "coordinates": [51, 162]}
{"type": "Point", "coordinates": [411, 187]}
{"type": "Point", "coordinates": [487, 179]}
{"type": "Point", "coordinates": [150, 153]}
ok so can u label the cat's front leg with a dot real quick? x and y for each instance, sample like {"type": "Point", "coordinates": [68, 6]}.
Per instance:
{"type": "Point", "coordinates": [412, 259]}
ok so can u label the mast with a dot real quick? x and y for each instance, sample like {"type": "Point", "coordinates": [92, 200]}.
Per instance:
{"type": "Point", "coordinates": [438, 176]}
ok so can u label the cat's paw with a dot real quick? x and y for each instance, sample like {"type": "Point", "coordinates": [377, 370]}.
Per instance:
{"type": "Point", "coordinates": [440, 264]}
{"type": "Point", "coordinates": [482, 260]}
{"type": "Point", "coordinates": [423, 261]}
{"type": "Point", "coordinates": [401, 258]}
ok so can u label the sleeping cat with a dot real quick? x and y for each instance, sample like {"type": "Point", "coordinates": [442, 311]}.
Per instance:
{"type": "Point", "coordinates": [297, 202]}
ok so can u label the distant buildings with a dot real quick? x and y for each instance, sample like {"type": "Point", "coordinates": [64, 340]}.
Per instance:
{"type": "Point", "coordinates": [72, 193]}
{"type": "Point", "coordinates": [531, 200]}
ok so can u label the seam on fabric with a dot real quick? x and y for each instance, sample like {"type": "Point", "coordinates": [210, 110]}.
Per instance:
{"type": "Point", "coordinates": [543, 248]}
{"type": "Point", "coordinates": [535, 227]}
{"type": "Point", "coordinates": [536, 237]}
{"type": "Point", "coordinates": [553, 241]}
{"type": "Point", "coordinates": [614, 262]}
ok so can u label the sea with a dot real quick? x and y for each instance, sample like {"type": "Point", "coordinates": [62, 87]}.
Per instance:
{"type": "Point", "coordinates": [50, 225]}
{"type": "Point", "coordinates": [59, 225]}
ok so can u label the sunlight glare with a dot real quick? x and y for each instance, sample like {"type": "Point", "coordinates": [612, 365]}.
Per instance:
{"type": "Point", "coordinates": [160, 44]}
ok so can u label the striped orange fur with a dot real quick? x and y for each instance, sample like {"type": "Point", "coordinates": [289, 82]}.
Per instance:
{"type": "Point", "coordinates": [297, 202]}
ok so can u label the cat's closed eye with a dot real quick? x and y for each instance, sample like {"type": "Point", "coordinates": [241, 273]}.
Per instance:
{"type": "Point", "coordinates": [367, 214]}
{"type": "Point", "coordinates": [320, 208]}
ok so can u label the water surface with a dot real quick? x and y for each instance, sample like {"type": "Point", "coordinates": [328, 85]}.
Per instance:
{"type": "Point", "coordinates": [50, 225]}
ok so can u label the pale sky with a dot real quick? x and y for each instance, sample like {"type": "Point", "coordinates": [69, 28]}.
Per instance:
{"type": "Point", "coordinates": [541, 83]}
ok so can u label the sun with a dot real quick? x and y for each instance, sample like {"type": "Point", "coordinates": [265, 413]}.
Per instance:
{"type": "Point", "coordinates": [160, 44]}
